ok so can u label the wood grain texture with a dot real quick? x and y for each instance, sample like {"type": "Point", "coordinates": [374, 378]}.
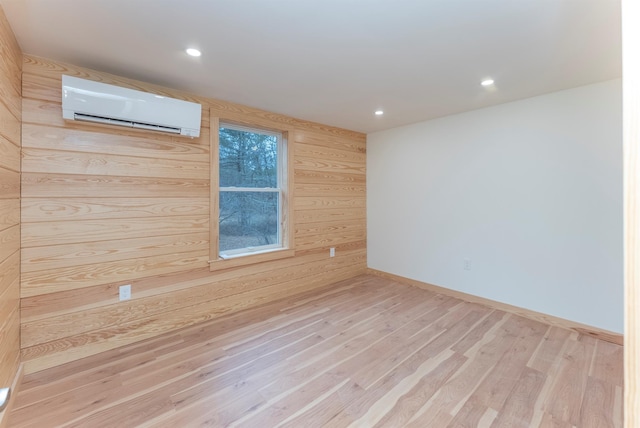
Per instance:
{"type": "Point", "coordinates": [9, 155]}
{"type": "Point", "coordinates": [321, 215]}
{"type": "Point", "coordinates": [9, 184]}
{"type": "Point", "coordinates": [10, 128]}
{"type": "Point", "coordinates": [9, 241]}
{"type": "Point", "coordinates": [364, 352]}
{"type": "Point", "coordinates": [353, 142]}
{"type": "Point", "coordinates": [545, 318]}
{"type": "Point", "coordinates": [64, 256]}
{"type": "Point", "coordinates": [15, 388]}
{"type": "Point", "coordinates": [73, 140]}
{"type": "Point", "coordinates": [10, 143]}
{"type": "Point", "coordinates": [153, 317]}
{"type": "Point", "coordinates": [56, 161]}
{"type": "Point", "coordinates": [48, 305]}
{"type": "Point", "coordinates": [332, 189]}
{"type": "Point", "coordinates": [81, 186]}
{"type": "Point", "coordinates": [9, 271]}
{"type": "Point", "coordinates": [72, 209]}
{"type": "Point", "coordinates": [67, 232]}
{"type": "Point", "coordinates": [252, 116]}
{"type": "Point", "coordinates": [81, 276]}
{"type": "Point", "coordinates": [10, 70]}
{"type": "Point", "coordinates": [106, 206]}
{"type": "Point", "coordinates": [71, 324]}
{"type": "Point", "coordinates": [631, 144]}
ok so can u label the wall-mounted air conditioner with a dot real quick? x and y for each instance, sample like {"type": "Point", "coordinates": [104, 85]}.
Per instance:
{"type": "Point", "coordinates": [98, 102]}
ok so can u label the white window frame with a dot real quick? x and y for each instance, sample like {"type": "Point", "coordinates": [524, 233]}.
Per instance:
{"type": "Point", "coordinates": [249, 255]}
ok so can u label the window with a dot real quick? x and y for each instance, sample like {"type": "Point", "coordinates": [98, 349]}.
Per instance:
{"type": "Point", "coordinates": [252, 196]}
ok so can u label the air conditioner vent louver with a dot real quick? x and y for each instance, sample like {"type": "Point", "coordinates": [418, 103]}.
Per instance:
{"type": "Point", "coordinates": [91, 101]}
{"type": "Point", "coordinates": [127, 123]}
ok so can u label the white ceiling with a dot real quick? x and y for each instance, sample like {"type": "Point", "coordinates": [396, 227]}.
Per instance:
{"type": "Point", "coordinates": [335, 61]}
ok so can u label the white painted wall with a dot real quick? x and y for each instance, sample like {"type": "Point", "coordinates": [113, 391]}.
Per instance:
{"type": "Point", "coordinates": [529, 191]}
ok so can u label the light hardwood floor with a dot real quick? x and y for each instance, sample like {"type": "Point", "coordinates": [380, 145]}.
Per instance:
{"type": "Point", "coordinates": [366, 352]}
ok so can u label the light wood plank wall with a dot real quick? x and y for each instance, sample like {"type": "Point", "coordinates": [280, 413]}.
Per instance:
{"type": "Point", "coordinates": [10, 117]}
{"type": "Point", "coordinates": [106, 206]}
{"type": "Point", "coordinates": [631, 133]}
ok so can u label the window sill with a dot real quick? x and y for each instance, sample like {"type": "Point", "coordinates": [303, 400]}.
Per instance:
{"type": "Point", "coordinates": [250, 259]}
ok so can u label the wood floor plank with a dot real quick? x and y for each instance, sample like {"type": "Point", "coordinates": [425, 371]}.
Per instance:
{"type": "Point", "coordinates": [549, 421]}
{"type": "Point", "coordinates": [383, 405]}
{"type": "Point", "coordinates": [565, 401]}
{"type": "Point", "coordinates": [320, 414]}
{"type": "Point", "coordinates": [472, 338]}
{"type": "Point", "coordinates": [597, 409]}
{"type": "Point", "coordinates": [549, 348]}
{"type": "Point", "coordinates": [605, 363]}
{"type": "Point", "coordinates": [456, 391]}
{"type": "Point", "coordinates": [407, 405]}
{"type": "Point", "coordinates": [130, 414]}
{"type": "Point", "coordinates": [384, 362]}
{"type": "Point", "coordinates": [365, 352]}
{"type": "Point", "coordinates": [517, 410]}
{"type": "Point", "coordinates": [204, 414]}
{"type": "Point", "coordinates": [502, 379]}
{"type": "Point", "coordinates": [297, 401]}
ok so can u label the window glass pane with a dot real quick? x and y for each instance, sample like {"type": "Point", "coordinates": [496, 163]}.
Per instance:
{"type": "Point", "coordinates": [248, 159]}
{"type": "Point", "coordinates": [248, 219]}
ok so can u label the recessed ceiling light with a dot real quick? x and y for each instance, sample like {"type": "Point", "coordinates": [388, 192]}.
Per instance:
{"type": "Point", "coordinates": [378, 113]}
{"type": "Point", "coordinates": [193, 52]}
{"type": "Point", "coordinates": [487, 82]}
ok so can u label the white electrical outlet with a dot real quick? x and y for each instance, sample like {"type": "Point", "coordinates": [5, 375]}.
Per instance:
{"type": "Point", "coordinates": [332, 252]}
{"type": "Point", "coordinates": [125, 292]}
{"type": "Point", "coordinates": [466, 264]}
